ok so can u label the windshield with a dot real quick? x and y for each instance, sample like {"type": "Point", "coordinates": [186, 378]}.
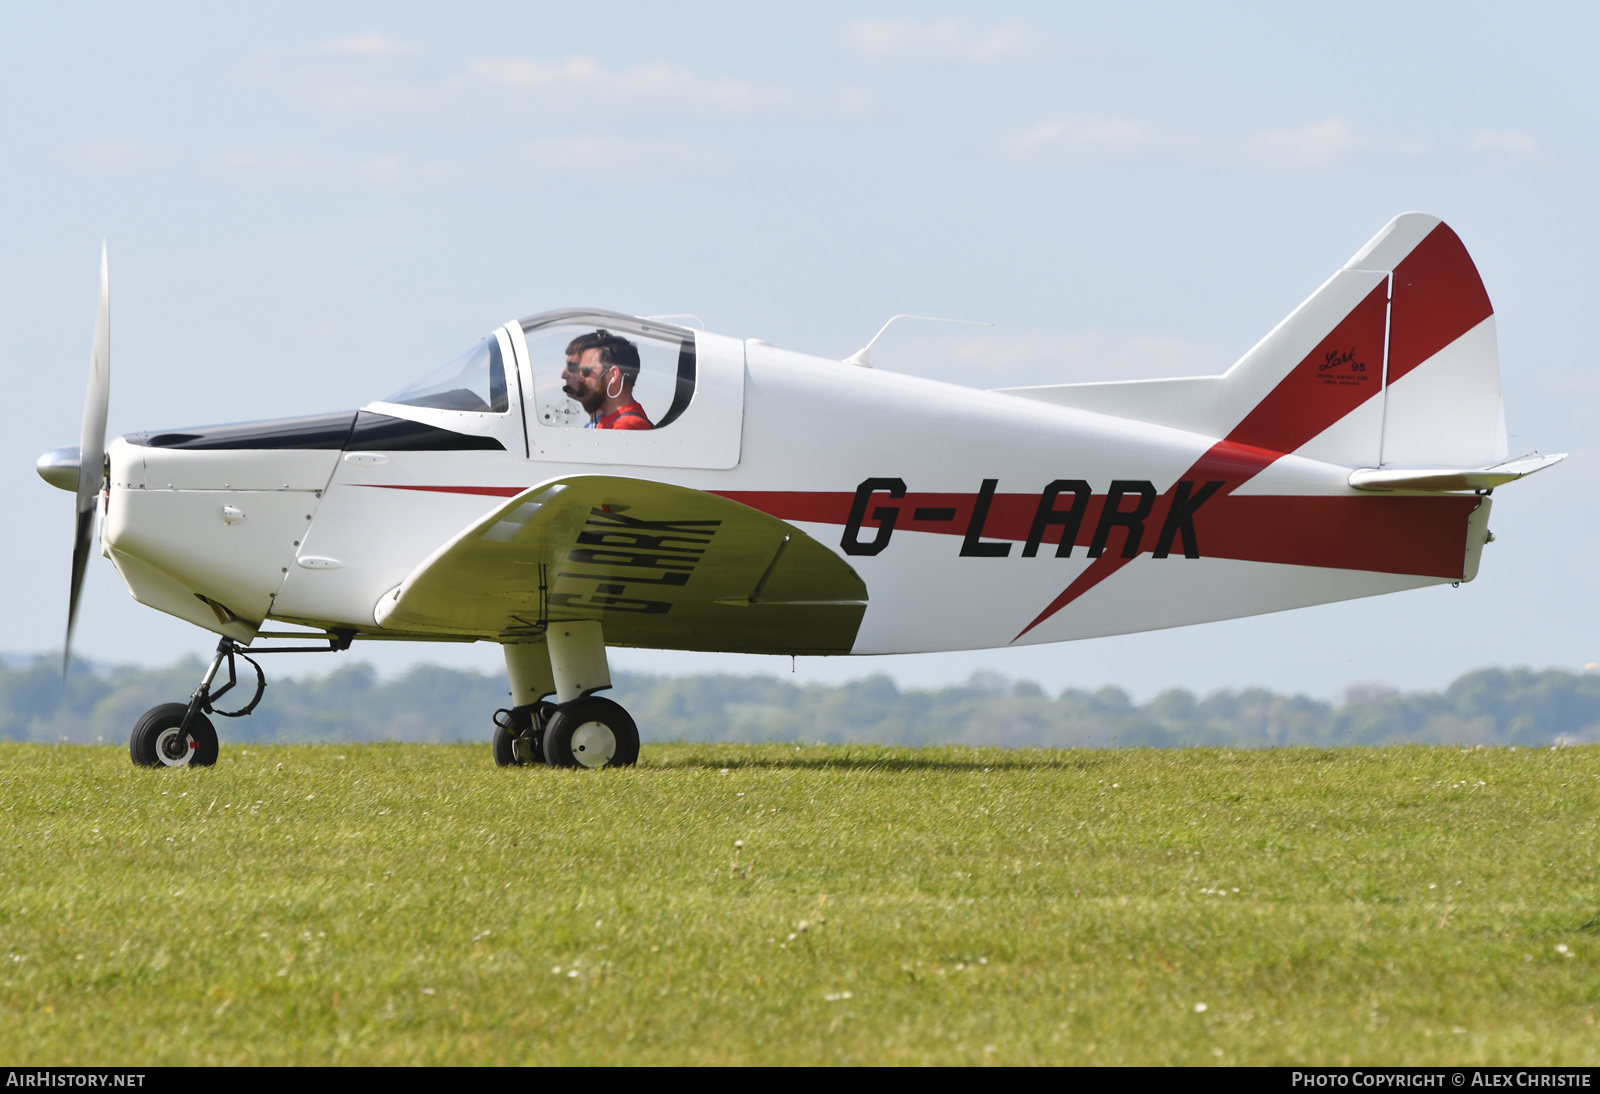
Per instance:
{"type": "Point", "coordinates": [475, 381]}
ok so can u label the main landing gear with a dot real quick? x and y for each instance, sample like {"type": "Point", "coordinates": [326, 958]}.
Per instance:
{"type": "Point", "coordinates": [180, 734]}
{"type": "Point", "coordinates": [580, 729]}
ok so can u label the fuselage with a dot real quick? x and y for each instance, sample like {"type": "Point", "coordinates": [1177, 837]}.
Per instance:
{"type": "Point", "coordinates": [950, 503]}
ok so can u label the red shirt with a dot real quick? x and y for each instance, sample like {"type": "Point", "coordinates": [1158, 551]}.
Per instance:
{"type": "Point", "coordinates": [629, 417]}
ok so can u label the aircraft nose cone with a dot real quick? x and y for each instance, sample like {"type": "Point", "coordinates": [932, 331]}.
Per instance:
{"type": "Point", "coordinates": [59, 468]}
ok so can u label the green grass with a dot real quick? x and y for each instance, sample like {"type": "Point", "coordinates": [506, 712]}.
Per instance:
{"type": "Point", "coordinates": [413, 904]}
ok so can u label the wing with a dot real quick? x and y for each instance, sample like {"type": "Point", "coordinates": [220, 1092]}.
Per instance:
{"type": "Point", "coordinates": [661, 566]}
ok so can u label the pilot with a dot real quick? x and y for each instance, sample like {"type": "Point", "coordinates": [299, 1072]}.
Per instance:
{"type": "Point", "coordinates": [601, 369]}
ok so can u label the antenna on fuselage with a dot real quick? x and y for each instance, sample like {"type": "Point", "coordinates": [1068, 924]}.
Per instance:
{"type": "Point", "coordinates": [863, 356]}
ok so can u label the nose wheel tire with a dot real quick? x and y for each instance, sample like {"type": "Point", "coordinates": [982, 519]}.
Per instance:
{"type": "Point", "coordinates": [591, 732]}
{"type": "Point", "coordinates": [156, 740]}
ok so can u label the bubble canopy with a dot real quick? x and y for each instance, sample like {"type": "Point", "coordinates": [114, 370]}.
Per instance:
{"type": "Point", "coordinates": [476, 381]}
{"type": "Point", "coordinates": [689, 388]}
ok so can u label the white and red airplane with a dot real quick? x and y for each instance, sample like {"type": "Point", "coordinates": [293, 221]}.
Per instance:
{"type": "Point", "coordinates": [784, 503]}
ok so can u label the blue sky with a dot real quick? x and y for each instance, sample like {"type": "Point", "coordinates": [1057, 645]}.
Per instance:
{"type": "Point", "coordinates": [309, 205]}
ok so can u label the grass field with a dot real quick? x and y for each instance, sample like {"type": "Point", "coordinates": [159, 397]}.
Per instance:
{"type": "Point", "coordinates": [728, 904]}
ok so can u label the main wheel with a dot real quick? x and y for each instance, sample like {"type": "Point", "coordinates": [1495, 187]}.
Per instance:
{"type": "Point", "coordinates": [519, 734]}
{"type": "Point", "coordinates": [157, 742]}
{"type": "Point", "coordinates": [591, 732]}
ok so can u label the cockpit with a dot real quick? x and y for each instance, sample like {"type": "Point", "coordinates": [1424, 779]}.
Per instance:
{"type": "Point", "coordinates": [663, 382]}
{"type": "Point", "coordinates": [569, 384]}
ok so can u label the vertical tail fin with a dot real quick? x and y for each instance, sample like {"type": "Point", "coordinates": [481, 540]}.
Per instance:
{"type": "Point", "coordinates": [1392, 361]}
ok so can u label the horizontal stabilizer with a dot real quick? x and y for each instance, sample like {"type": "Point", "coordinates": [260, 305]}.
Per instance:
{"type": "Point", "coordinates": [1451, 479]}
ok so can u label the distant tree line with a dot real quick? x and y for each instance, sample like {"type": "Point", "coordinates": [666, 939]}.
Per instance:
{"type": "Point", "coordinates": [432, 703]}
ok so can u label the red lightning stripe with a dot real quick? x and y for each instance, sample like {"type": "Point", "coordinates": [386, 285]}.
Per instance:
{"type": "Point", "coordinates": [1438, 297]}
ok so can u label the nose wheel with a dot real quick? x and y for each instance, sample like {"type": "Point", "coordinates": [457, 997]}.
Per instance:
{"type": "Point", "coordinates": [160, 739]}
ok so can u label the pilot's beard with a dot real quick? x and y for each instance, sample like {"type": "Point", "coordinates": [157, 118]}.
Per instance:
{"type": "Point", "coordinates": [590, 403]}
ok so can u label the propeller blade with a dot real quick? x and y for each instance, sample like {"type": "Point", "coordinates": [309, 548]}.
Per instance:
{"type": "Point", "coordinates": [92, 451]}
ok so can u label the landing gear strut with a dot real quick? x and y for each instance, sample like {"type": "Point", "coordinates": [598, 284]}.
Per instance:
{"type": "Point", "coordinates": [180, 735]}
{"type": "Point", "coordinates": [579, 729]}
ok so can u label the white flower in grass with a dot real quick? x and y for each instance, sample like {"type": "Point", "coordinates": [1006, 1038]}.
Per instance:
{"type": "Point", "coordinates": [1199, 1008]}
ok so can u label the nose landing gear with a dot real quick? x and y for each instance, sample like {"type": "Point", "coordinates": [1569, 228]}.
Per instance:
{"type": "Point", "coordinates": [180, 734]}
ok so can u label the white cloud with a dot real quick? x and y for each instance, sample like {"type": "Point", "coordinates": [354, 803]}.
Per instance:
{"type": "Point", "coordinates": [1087, 139]}
{"type": "Point", "coordinates": [1507, 146]}
{"type": "Point", "coordinates": [371, 44]}
{"type": "Point", "coordinates": [267, 168]}
{"type": "Point", "coordinates": [1308, 146]}
{"type": "Point", "coordinates": [658, 82]}
{"type": "Point", "coordinates": [1103, 140]}
{"type": "Point", "coordinates": [1017, 360]}
{"type": "Point", "coordinates": [605, 159]}
{"type": "Point", "coordinates": [945, 40]}
{"type": "Point", "coordinates": [619, 159]}
{"type": "Point", "coordinates": [373, 74]}
{"type": "Point", "coordinates": [340, 78]}
{"type": "Point", "coordinates": [120, 155]}
{"type": "Point", "coordinates": [853, 101]}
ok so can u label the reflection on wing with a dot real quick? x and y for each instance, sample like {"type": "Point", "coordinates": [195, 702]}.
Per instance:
{"type": "Point", "coordinates": [659, 565]}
